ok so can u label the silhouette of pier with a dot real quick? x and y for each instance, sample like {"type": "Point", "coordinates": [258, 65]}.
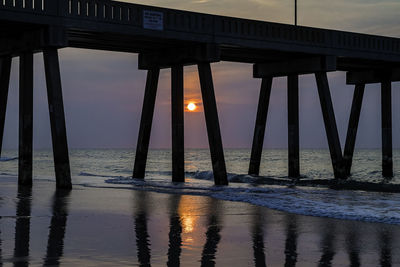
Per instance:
{"type": "Point", "coordinates": [167, 38]}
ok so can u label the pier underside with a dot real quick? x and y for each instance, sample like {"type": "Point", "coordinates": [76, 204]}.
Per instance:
{"type": "Point", "coordinates": [175, 39]}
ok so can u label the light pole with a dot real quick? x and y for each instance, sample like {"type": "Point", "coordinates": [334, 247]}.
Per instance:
{"type": "Point", "coordinates": [295, 12]}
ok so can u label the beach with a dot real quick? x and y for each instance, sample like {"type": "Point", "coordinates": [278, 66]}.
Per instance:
{"type": "Point", "coordinates": [95, 225]}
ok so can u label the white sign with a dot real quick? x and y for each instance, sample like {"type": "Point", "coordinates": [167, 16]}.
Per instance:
{"type": "Point", "coordinates": [153, 20]}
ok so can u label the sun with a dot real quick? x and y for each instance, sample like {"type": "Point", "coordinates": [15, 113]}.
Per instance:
{"type": "Point", "coordinates": [191, 106]}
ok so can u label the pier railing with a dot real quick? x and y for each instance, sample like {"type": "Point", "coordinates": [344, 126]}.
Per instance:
{"type": "Point", "coordinates": [45, 7]}
{"type": "Point", "coordinates": [183, 21]}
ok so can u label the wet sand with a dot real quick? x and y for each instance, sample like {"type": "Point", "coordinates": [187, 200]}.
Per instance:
{"type": "Point", "coordinates": [121, 227]}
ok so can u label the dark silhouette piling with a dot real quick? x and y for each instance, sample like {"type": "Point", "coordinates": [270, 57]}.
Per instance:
{"type": "Point", "coordinates": [5, 69]}
{"type": "Point", "coordinates": [177, 108]}
{"type": "Point", "coordinates": [25, 119]}
{"type": "Point", "coordinates": [146, 121]}
{"type": "Point", "coordinates": [57, 119]}
{"type": "Point", "coordinates": [293, 126]}
{"type": "Point", "coordinates": [213, 130]}
{"type": "Point", "coordinates": [386, 113]}
{"type": "Point", "coordinates": [330, 124]}
{"type": "Point", "coordinates": [259, 129]}
{"type": "Point", "coordinates": [353, 127]}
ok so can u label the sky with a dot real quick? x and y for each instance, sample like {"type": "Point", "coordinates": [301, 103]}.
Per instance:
{"type": "Point", "coordinates": [103, 91]}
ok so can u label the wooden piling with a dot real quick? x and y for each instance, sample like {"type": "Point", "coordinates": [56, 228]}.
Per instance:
{"type": "Point", "coordinates": [178, 159]}
{"type": "Point", "coordinates": [293, 126]}
{"type": "Point", "coordinates": [57, 119]}
{"type": "Point", "coordinates": [386, 106]}
{"type": "Point", "coordinates": [259, 129]}
{"type": "Point", "coordinates": [146, 121]}
{"type": "Point", "coordinates": [5, 69]}
{"type": "Point", "coordinates": [353, 127]}
{"type": "Point", "coordinates": [25, 119]}
{"type": "Point", "coordinates": [213, 129]}
{"type": "Point", "coordinates": [330, 124]}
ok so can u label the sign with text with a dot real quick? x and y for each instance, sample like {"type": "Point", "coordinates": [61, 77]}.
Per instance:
{"type": "Point", "coordinates": [153, 20]}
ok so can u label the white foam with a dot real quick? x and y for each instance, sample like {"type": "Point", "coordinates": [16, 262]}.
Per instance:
{"type": "Point", "coordinates": [351, 205]}
{"type": "Point", "coordinates": [8, 159]}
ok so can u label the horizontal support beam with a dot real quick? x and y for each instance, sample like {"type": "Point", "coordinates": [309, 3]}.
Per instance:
{"type": "Point", "coordinates": [295, 67]}
{"type": "Point", "coordinates": [33, 40]}
{"type": "Point", "coordinates": [187, 55]}
{"type": "Point", "coordinates": [373, 76]}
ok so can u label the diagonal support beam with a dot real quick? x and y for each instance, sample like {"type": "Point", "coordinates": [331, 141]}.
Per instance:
{"type": "Point", "coordinates": [213, 129]}
{"type": "Point", "coordinates": [293, 126]}
{"type": "Point", "coordinates": [5, 70]}
{"type": "Point", "coordinates": [353, 127]}
{"type": "Point", "coordinates": [25, 119]}
{"type": "Point", "coordinates": [386, 113]}
{"type": "Point", "coordinates": [146, 122]}
{"type": "Point", "coordinates": [259, 129]}
{"type": "Point", "coordinates": [57, 119]}
{"type": "Point", "coordinates": [330, 124]}
{"type": "Point", "coordinates": [178, 159]}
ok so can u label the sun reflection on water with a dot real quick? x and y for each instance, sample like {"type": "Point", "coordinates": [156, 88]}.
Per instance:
{"type": "Point", "coordinates": [188, 213]}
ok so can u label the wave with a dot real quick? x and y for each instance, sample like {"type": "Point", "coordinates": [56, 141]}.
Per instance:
{"type": "Point", "coordinates": [100, 175]}
{"type": "Point", "coordinates": [322, 202]}
{"type": "Point", "coordinates": [8, 174]}
{"type": "Point", "coordinates": [8, 159]}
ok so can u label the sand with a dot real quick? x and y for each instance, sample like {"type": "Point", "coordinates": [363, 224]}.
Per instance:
{"type": "Point", "coordinates": [92, 226]}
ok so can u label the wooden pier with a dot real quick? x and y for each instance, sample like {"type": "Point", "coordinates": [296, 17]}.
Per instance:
{"type": "Point", "coordinates": [167, 38]}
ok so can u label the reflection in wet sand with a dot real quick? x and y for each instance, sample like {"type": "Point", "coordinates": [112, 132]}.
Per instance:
{"type": "Point", "coordinates": [385, 239]}
{"type": "Point", "coordinates": [327, 244]}
{"type": "Point", "coordinates": [189, 218]}
{"type": "Point", "coordinates": [175, 232]}
{"type": "Point", "coordinates": [22, 227]}
{"type": "Point", "coordinates": [258, 238]}
{"type": "Point", "coordinates": [185, 231]}
{"type": "Point", "coordinates": [352, 245]}
{"type": "Point", "coordinates": [291, 240]}
{"type": "Point", "coordinates": [142, 236]}
{"type": "Point", "coordinates": [212, 235]}
{"type": "Point", "coordinates": [58, 225]}
{"type": "Point", "coordinates": [1, 243]}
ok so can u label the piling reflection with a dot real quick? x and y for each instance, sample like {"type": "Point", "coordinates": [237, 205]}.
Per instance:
{"type": "Point", "coordinates": [142, 236]}
{"type": "Point", "coordinates": [213, 235]}
{"type": "Point", "coordinates": [291, 241]}
{"type": "Point", "coordinates": [327, 244]}
{"type": "Point", "coordinates": [175, 232]}
{"type": "Point", "coordinates": [193, 227]}
{"type": "Point", "coordinates": [58, 224]}
{"type": "Point", "coordinates": [1, 252]}
{"type": "Point", "coordinates": [385, 243]}
{"type": "Point", "coordinates": [1, 244]}
{"type": "Point", "coordinates": [258, 238]}
{"type": "Point", "coordinates": [352, 245]}
{"type": "Point", "coordinates": [22, 226]}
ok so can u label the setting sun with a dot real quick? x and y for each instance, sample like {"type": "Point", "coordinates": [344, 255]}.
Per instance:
{"type": "Point", "coordinates": [191, 106]}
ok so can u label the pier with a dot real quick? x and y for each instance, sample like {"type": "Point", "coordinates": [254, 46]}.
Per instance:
{"type": "Point", "coordinates": [168, 38]}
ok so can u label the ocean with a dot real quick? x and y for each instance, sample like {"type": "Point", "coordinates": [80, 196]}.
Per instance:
{"type": "Point", "coordinates": [112, 168]}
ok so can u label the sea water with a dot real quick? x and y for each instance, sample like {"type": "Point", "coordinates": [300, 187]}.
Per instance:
{"type": "Point", "coordinates": [113, 168]}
